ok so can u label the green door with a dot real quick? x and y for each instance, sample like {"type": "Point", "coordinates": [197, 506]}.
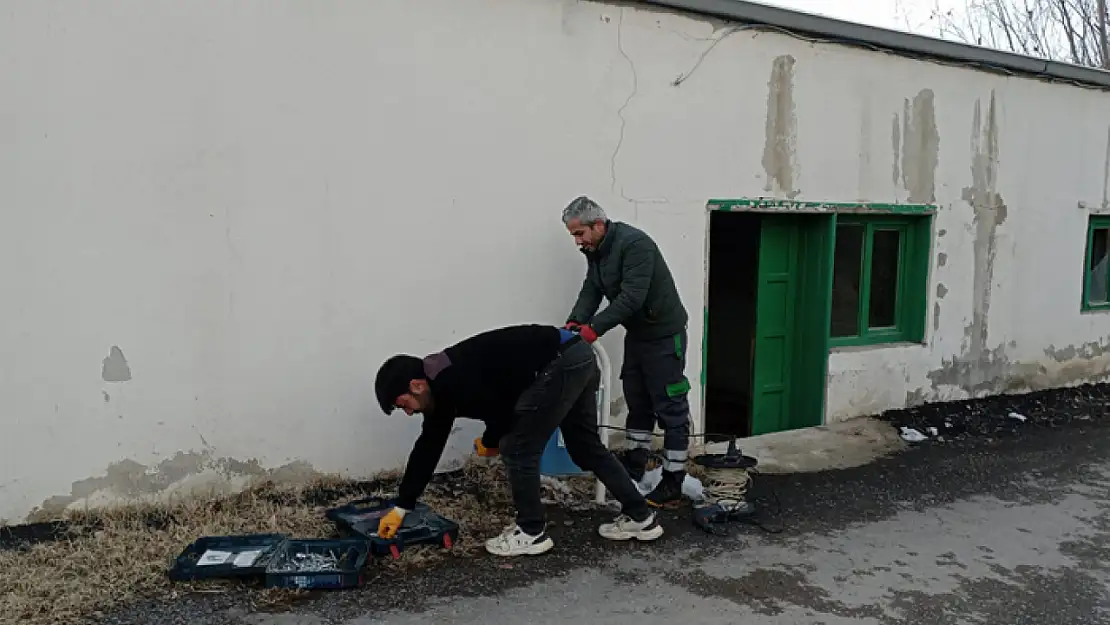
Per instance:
{"type": "Point", "coordinates": [776, 285]}
{"type": "Point", "coordinates": [793, 302]}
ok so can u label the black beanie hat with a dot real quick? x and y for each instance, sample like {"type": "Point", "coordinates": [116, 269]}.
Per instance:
{"type": "Point", "coordinates": [394, 377]}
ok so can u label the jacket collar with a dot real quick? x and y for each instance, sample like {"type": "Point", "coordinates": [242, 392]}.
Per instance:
{"type": "Point", "coordinates": [606, 241]}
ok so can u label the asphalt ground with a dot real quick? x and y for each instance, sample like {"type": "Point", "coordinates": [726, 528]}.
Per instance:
{"type": "Point", "coordinates": [993, 519]}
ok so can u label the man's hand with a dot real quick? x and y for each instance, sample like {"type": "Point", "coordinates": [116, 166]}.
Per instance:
{"type": "Point", "coordinates": [572, 326]}
{"type": "Point", "coordinates": [483, 451]}
{"type": "Point", "coordinates": [587, 333]}
{"type": "Point", "coordinates": [391, 523]}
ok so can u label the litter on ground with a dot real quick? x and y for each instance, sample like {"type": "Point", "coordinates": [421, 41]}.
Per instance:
{"type": "Point", "coordinates": [911, 435]}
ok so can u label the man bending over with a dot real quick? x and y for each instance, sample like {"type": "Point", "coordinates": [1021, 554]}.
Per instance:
{"type": "Point", "coordinates": [523, 382]}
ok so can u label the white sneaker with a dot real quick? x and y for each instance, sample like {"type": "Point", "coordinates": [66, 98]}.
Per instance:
{"type": "Point", "coordinates": [514, 542]}
{"type": "Point", "coordinates": [624, 528]}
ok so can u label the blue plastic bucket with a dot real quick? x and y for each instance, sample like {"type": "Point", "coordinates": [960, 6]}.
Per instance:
{"type": "Point", "coordinates": [555, 460]}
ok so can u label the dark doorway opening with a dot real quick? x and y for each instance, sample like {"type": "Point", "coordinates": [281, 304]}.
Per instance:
{"type": "Point", "coordinates": [730, 325]}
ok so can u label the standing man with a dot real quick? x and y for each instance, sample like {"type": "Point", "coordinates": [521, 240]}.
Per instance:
{"type": "Point", "coordinates": [625, 266]}
{"type": "Point", "coordinates": [523, 382]}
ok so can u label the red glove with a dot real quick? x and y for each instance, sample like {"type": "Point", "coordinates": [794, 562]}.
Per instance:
{"type": "Point", "coordinates": [571, 325]}
{"type": "Point", "coordinates": [587, 333]}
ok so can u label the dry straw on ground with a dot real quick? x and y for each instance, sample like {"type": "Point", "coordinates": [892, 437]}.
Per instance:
{"type": "Point", "coordinates": [116, 555]}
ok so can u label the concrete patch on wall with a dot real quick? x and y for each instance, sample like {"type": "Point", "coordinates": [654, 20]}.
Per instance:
{"type": "Point", "coordinates": [920, 148]}
{"type": "Point", "coordinates": [114, 367]}
{"type": "Point", "coordinates": [865, 123]}
{"type": "Point", "coordinates": [1060, 367]}
{"type": "Point", "coordinates": [1067, 366]}
{"type": "Point", "coordinates": [780, 148]}
{"type": "Point", "coordinates": [1106, 174]}
{"type": "Point", "coordinates": [980, 368]}
{"type": "Point", "coordinates": [184, 473]}
{"type": "Point", "coordinates": [896, 143]}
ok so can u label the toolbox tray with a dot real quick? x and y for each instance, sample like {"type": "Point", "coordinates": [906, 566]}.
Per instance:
{"type": "Point", "coordinates": [352, 552]}
{"type": "Point", "coordinates": [421, 526]}
{"type": "Point", "coordinates": [213, 557]}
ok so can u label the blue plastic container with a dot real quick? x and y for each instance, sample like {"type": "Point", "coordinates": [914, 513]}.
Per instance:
{"type": "Point", "coordinates": [352, 554]}
{"type": "Point", "coordinates": [555, 460]}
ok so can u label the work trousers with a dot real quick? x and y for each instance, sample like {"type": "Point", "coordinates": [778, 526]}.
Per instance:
{"type": "Point", "coordinates": [564, 396]}
{"type": "Point", "coordinates": [656, 389]}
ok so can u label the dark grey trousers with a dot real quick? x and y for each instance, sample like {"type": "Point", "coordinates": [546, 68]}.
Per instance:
{"type": "Point", "coordinates": [656, 389]}
{"type": "Point", "coordinates": [563, 396]}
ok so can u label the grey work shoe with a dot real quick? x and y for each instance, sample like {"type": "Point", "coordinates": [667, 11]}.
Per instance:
{"type": "Point", "coordinates": [624, 528]}
{"type": "Point", "coordinates": [515, 542]}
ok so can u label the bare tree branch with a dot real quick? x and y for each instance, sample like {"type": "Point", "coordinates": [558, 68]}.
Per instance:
{"type": "Point", "coordinates": [1061, 30]}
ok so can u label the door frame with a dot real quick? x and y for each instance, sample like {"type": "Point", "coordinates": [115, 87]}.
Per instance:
{"type": "Point", "coordinates": [780, 206]}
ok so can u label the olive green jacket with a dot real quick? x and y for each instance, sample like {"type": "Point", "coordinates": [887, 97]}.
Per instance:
{"type": "Point", "coordinates": [628, 270]}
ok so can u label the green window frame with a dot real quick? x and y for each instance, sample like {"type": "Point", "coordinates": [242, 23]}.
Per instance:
{"type": "Point", "coordinates": [910, 280]}
{"type": "Point", "coordinates": [1096, 284]}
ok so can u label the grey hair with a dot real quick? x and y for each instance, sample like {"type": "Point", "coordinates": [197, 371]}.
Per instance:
{"type": "Point", "coordinates": [584, 210]}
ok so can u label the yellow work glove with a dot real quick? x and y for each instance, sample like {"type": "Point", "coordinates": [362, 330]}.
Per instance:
{"type": "Point", "coordinates": [483, 451]}
{"type": "Point", "coordinates": [391, 523]}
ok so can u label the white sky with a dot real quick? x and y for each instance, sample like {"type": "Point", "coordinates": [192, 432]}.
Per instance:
{"type": "Point", "coordinates": [907, 15]}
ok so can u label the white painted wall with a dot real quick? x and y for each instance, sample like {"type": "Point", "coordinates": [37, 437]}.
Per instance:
{"type": "Point", "coordinates": [258, 202]}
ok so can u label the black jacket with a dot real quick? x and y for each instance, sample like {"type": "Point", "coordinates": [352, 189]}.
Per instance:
{"type": "Point", "coordinates": [628, 269]}
{"type": "Point", "coordinates": [478, 378]}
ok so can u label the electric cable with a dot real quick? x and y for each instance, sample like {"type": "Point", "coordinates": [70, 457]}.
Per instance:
{"type": "Point", "coordinates": [727, 487]}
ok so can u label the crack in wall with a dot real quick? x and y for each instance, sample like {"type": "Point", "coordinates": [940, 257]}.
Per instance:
{"type": "Point", "coordinates": [627, 101]}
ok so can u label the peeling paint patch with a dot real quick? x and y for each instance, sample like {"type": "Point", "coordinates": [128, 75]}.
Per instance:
{"type": "Point", "coordinates": [114, 367]}
{"type": "Point", "coordinates": [896, 143]}
{"type": "Point", "coordinates": [107, 397]}
{"type": "Point", "coordinates": [980, 368]}
{"type": "Point", "coordinates": [1106, 174]}
{"type": "Point", "coordinates": [185, 471]}
{"type": "Point", "coordinates": [920, 147]}
{"type": "Point", "coordinates": [942, 259]}
{"type": "Point", "coordinates": [941, 290]}
{"type": "Point", "coordinates": [1060, 367]}
{"type": "Point", "coordinates": [864, 149]}
{"type": "Point", "coordinates": [936, 316]}
{"type": "Point", "coordinates": [780, 148]}
{"type": "Point", "coordinates": [942, 232]}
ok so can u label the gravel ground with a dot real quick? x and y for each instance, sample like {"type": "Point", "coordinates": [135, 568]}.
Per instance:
{"type": "Point", "coordinates": [994, 519]}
